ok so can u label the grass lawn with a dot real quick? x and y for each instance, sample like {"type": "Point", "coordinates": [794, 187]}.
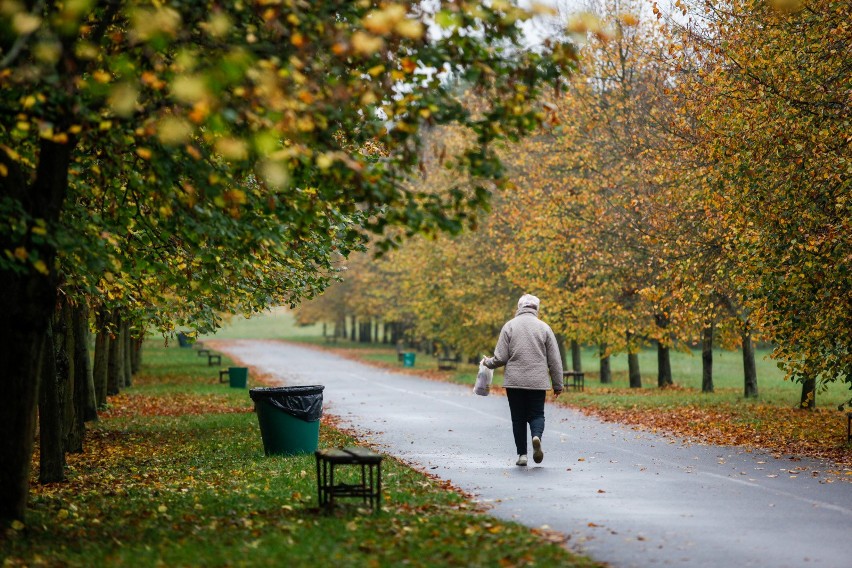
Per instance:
{"type": "Point", "coordinates": [173, 474]}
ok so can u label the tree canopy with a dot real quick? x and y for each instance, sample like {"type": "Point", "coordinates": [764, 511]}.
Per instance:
{"type": "Point", "coordinates": [176, 159]}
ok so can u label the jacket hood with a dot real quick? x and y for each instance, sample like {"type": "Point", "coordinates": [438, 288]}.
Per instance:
{"type": "Point", "coordinates": [527, 310]}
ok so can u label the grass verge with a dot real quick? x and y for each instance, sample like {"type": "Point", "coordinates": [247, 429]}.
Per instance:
{"type": "Point", "coordinates": [174, 474]}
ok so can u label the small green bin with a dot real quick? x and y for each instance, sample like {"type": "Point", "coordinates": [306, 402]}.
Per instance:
{"type": "Point", "coordinates": [238, 377]}
{"type": "Point", "coordinates": [408, 359]}
{"type": "Point", "coordinates": [289, 418]}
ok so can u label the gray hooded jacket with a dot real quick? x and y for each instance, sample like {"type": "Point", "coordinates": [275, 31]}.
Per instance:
{"type": "Point", "coordinates": [528, 349]}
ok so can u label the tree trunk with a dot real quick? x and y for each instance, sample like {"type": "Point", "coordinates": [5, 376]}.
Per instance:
{"type": "Point", "coordinates": [22, 360]}
{"type": "Point", "coordinates": [396, 335]}
{"type": "Point", "coordinates": [707, 359]}
{"type": "Point", "coordinates": [135, 355]}
{"type": "Point", "coordinates": [354, 334]}
{"type": "Point", "coordinates": [73, 428]}
{"type": "Point", "coordinates": [606, 371]}
{"type": "Point", "coordinates": [100, 370]}
{"type": "Point", "coordinates": [365, 329]}
{"type": "Point", "coordinates": [633, 363]}
{"type": "Point", "coordinates": [749, 368]}
{"type": "Point", "coordinates": [664, 366]}
{"type": "Point", "coordinates": [576, 356]}
{"type": "Point", "coordinates": [84, 384]}
{"type": "Point", "coordinates": [115, 374]}
{"type": "Point", "coordinates": [26, 306]}
{"type": "Point", "coordinates": [633, 370]}
{"type": "Point", "coordinates": [808, 399]}
{"type": "Point", "coordinates": [127, 348]}
{"type": "Point", "coordinates": [52, 452]}
{"type": "Point", "coordinates": [560, 343]}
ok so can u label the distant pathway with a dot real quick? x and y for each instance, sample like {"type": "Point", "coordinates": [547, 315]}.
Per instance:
{"type": "Point", "coordinates": [628, 498]}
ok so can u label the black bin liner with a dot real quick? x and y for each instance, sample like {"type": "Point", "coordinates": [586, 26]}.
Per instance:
{"type": "Point", "coordinates": [303, 402]}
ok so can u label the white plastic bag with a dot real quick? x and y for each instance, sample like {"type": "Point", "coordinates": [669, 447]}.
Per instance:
{"type": "Point", "coordinates": [483, 380]}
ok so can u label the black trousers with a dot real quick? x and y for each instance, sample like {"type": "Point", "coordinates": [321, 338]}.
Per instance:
{"type": "Point", "coordinates": [526, 407]}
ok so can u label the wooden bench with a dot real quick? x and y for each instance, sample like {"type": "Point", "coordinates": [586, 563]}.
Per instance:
{"type": "Point", "coordinates": [211, 357]}
{"type": "Point", "coordinates": [330, 338]}
{"type": "Point", "coordinates": [577, 379]}
{"type": "Point", "coordinates": [223, 375]}
{"type": "Point", "coordinates": [448, 363]}
{"type": "Point", "coordinates": [369, 488]}
{"type": "Point", "coordinates": [202, 352]}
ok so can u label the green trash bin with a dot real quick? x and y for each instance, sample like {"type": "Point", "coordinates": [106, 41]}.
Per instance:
{"type": "Point", "coordinates": [408, 359]}
{"type": "Point", "coordinates": [289, 418]}
{"type": "Point", "coordinates": [238, 377]}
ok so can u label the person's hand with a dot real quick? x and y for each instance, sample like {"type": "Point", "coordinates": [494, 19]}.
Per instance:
{"type": "Point", "coordinates": [556, 393]}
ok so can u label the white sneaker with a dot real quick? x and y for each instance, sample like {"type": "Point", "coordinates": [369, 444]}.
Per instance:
{"type": "Point", "coordinates": [522, 460]}
{"type": "Point", "coordinates": [538, 455]}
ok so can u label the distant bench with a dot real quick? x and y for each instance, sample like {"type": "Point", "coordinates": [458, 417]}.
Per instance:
{"type": "Point", "coordinates": [577, 379]}
{"type": "Point", "coordinates": [448, 363]}
{"type": "Point", "coordinates": [210, 356]}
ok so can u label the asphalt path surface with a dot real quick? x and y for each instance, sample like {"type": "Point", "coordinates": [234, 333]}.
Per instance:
{"type": "Point", "coordinates": [622, 496]}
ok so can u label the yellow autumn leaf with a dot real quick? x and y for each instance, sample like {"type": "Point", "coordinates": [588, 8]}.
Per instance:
{"type": "Point", "coordinates": [237, 196]}
{"type": "Point", "coordinates": [122, 99]}
{"type": "Point", "coordinates": [189, 88]}
{"type": "Point", "coordinates": [40, 266]}
{"type": "Point", "coordinates": [274, 173]}
{"type": "Point", "coordinates": [174, 131]}
{"type": "Point", "coordinates": [25, 23]}
{"type": "Point", "coordinates": [232, 148]}
{"type": "Point", "coordinates": [218, 25]}
{"type": "Point", "coordinates": [410, 29]}
{"type": "Point", "coordinates": [787, 6]}
{"type": "Point", "coordinates": [101, 76]}
{"type": "Point", "coordinates": [366, 44]}
{"type": "Point", "coordinates": [628, 19]}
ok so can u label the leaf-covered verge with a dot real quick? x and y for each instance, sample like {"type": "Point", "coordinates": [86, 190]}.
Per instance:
{"type": "Point", "coordinates": [771, 422]}
{"type": "Point", "coordinates": [174, 474]}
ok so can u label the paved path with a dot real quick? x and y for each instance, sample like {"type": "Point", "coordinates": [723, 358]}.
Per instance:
{"type": "Point", "coordinates": [624, 497]}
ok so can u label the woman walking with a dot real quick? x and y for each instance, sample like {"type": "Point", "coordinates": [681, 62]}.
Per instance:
{"type": "Point", "coordinates": [527, 348]}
